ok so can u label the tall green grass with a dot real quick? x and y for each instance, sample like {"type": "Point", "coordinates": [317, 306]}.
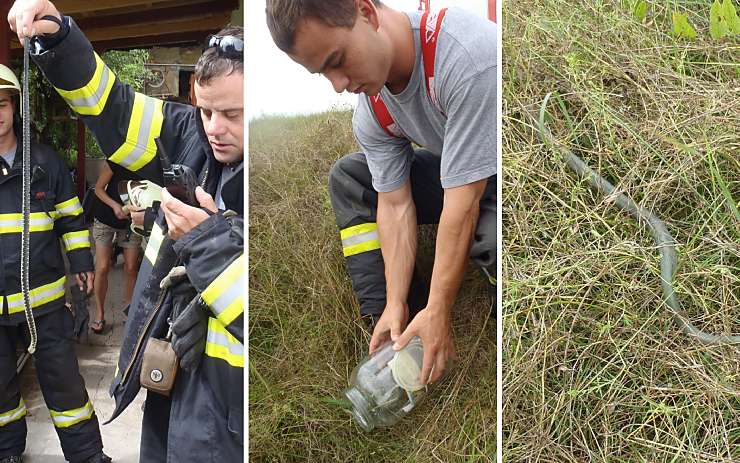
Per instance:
{"type": "Point", "coordinates": [305, 335]}
{"type": "Point", "coordinates": [594, 367]}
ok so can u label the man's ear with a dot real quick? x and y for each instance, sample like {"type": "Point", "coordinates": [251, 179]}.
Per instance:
{"type": "Point", "coordinates": [368, 11]}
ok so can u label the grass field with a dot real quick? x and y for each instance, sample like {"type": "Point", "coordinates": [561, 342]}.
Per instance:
{"type": "Point", "coordinates": [594, 367]}
{"type": "Point", "coordinates": [305, 336]}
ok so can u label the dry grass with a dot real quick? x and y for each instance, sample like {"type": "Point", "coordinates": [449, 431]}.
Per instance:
{"type": "Point", "coordinates": [304, 331]}
{"type": "Point", "coordinates": [594, 368]}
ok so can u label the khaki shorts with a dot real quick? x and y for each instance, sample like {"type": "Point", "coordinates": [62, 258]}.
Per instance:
{"type": "Point", "coordinates": [105, 235]}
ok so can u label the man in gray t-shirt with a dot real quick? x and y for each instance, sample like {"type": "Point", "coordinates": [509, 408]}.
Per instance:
{"type": "Point", "coordinates": [381, 194]}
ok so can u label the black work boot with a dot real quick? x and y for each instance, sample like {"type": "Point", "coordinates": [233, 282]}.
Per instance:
{"type": "Point", "coordinates": [98, 458]}
{"type": "Point", "coordinates": [12, 459]}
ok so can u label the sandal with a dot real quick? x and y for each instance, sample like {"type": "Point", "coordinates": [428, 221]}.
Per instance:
{"type": "Point", "coordinates": [98, 326]}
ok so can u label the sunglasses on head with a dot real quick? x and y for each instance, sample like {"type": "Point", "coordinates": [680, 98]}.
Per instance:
{"type": "Point", "coordinates": [228, 46]}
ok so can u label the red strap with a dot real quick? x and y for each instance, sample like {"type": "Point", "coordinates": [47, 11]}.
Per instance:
{"type": "Point", "coordinates": [384, 117]}
{"type": "Point", "coordinates": [423, 5]}
{"type": "Point", "coordinates": [429, 31]}
{"type": "Point", "coordinates": [431, 23]}
{"type": "Point", "coordinates": [492, 10]}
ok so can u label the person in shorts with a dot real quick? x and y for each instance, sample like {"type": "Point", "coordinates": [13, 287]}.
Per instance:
{"type": "Point", "coordinates": [112, 225]}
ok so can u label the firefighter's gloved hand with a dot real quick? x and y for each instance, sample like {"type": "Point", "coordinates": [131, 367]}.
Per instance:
{"type": "Point", "coordinates": [189, 335]}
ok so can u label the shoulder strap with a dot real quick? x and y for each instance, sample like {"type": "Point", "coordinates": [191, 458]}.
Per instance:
{"type": "Point", "coordinates": [384, 117]}
{"type": "Point", "coordinates": [431, 23]}
{"type": "Point", "coordinates": [429, 31]}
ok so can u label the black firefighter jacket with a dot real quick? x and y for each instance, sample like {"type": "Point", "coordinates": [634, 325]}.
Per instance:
{"type": "Point", "coordinates": [56, 213]}
{"type": "Point", "coordinates": [125, 124]}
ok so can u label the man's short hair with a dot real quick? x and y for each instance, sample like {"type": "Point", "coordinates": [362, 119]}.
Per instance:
{"type": "Point", "coordinates": [283, 17]}
{"type": "Point", "coordinates": [211, 64]}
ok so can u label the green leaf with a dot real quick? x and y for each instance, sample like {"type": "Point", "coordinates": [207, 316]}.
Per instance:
{"type": "Point", "coordinates": [730, 15]}
{"type": "Point", "coordinates": [717, 24]}
{"type": "Point", "coordinates": [682, 27]}
{"type": "Point", "coordinates": [640, 10]}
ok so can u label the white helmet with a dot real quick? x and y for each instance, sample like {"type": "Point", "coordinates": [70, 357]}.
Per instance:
{"type": "Point", "coordinates": [8, 79]}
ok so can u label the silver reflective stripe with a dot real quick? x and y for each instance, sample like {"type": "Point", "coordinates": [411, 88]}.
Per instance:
{"type": "Point", "coordinates": [229, 295]}
{"type": "Point", "coordinates": [65, 419]}
{"type": "Point", "coordinates": [155, 241]}
{"type": "Point", "coordinates": [70, 210]}
{"type": "Point", "coordinates": [361, 238]}
{"type": "Point", "coordinates": [33, 221]}
{"type": "Point", "coordinates": [13, 415]}
{"type": "Point", "coordinates": [142, 137]}
{"type": "Point", "coordinates": [93, 100]}
{"type": "Point", "coordinates": [36, 296]}
{"type": "Point", "coordinates": [70, 242]}
{"type": "Point", "coordinates": [221, 340]}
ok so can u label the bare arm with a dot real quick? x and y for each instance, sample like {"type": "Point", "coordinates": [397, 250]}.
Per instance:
{"type": "Point", "coordinates": [397, 229]}
{"type": "Point", "coordinates": [106, 175]}
{"type": "Point", "coordinates": [456, 227]}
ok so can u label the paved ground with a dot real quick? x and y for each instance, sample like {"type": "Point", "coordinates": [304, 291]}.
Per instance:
{"type": "Point", "coordinates": [97, 363]}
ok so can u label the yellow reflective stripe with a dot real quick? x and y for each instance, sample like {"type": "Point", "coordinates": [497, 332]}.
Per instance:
{"type": "Point", "coordinates": [222, 345]}
{"type": "Point", "coordinates": [76, 240]}
{"type": "Point", "coordinates": [155, 241]}
{"type": "Point", "coordinates": [225, 294]}
{"type": "Point", "coordinates": [38, 221]}
{"type": "Point", "coordinates": [90, 100]}
{"type": "Point", "coordinates": [138, 149]}
{"type": "Point", "coordinates": [39, 296]}
{"type": "Point", "coordinates": [67, 418]}
{"type": "Point", "coordinates": [13, 415]}
{"type": "Point", "coordinates": [69, 208]}
{"type": "Point", "coordinates": [358, 229]}
{"type": "Point", "coordinates": [360, 238]}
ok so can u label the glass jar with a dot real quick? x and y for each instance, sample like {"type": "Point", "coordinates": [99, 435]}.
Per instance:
{"type": "Point", "coordinates": [385, 386]}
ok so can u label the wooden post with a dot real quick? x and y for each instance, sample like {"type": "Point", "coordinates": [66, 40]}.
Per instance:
{"type": "Point", "coordinates": [5, 32]}
{"type": "Point", "coordinates": [81, 186]}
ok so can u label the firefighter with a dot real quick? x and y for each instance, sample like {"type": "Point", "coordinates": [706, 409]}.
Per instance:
{"type": "Point", "coordinates": [202, 419]}
{"type": "Point", "coordinates": [425, 79]}
{"type": "Point", "coordinates": [56, 214]}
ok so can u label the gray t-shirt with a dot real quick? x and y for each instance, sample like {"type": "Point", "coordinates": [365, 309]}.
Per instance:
{"type": "Point", "coordinates": [465, 81]}
{"type": "Point", "coordinates": [9, 157]}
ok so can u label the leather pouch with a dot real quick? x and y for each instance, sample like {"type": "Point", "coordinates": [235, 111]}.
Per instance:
{"type": "Point", "coordinates": [158, 367]}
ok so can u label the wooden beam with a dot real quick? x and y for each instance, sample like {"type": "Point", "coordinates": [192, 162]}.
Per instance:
{"type": "Point", "coordinates": [157, 15]}
{"type": "Point", "coordinates": [204, 24]}
{"type": "Point", "coordinates": [168, 40]}
{"type": "Point", "coordinates": [71, 7]}
{"type": "Point", "coordinates": [5, 34]}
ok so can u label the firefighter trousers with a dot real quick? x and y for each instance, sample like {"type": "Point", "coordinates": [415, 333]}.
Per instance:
{"type": "Point", "coordinates": [192, 425]}
{"type": "Point", "coordinates": [355, 204]}
{"type": "Point", "coordinates": [61, 385]}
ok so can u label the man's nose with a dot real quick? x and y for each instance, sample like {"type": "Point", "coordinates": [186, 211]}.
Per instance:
{"type": "Point", "coordinates": [338, 80]}
{"type": "Point", "coordinates": [216, 125]}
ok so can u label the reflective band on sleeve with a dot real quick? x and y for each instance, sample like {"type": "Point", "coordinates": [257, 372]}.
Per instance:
{"type": "Point", "coordinates": [90, 99]}
{"type": "Point", "coordinates": [39, 296]}
{"type": "Point", "coordinates": [144, 126]}
{"type": "Point", "coordinates": [222, 345]}
{"type": "Point", "coordinates": [360, 238]}
{"type": "Point", "coordinates": [155, 241]}
{"type": "Point", "coordinates": [225, 294]}
{"type": "Point", "coordinates": [67, 418]}
{"type": "Point", "coordinates": [13, 415]}
{"type": "Point", "coordinates": [13, 223]}
{"type": "Point", "coordinates": [69, 208]}
{"type": "Point", "coordinates": [76, 240]}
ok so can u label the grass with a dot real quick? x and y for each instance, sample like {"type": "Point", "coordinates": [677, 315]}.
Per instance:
{"type": "Point", "coordinates": [305, 336]}
{"type": "Point", "coordinates": [594, 367]}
